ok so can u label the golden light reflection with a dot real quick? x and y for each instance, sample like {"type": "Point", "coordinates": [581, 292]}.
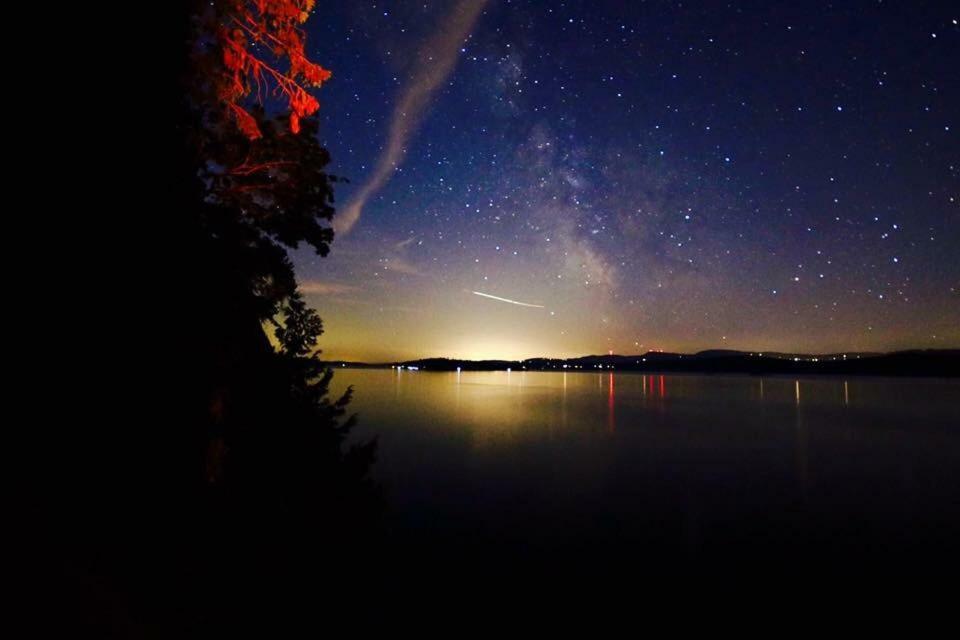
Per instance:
{"type": "Point", "coordinates": [611, 421]}
{"type": "Point", "coordinates": [457, 393]}
{"type": "Point", "coordinates": [563, 403]}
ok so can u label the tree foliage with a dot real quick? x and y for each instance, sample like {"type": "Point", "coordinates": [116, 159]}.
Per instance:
{"type": "Point", "coordinates": [247, 27]}
{"type": "Point", "coordinates": [262, 189]}
{"type": "Point", "coordinates": [264, 182]}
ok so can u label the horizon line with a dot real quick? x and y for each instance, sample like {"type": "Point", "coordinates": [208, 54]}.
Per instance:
{"type": "Point", "coordinates": [755, 352]}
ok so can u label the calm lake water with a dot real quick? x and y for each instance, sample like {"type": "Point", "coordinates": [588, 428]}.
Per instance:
{"type": "Point", "coordinates": [622, 472]}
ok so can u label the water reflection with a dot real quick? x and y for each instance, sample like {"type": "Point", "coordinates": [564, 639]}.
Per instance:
{"type": "Point", "coordinates": [494, 404]}
{"type": "Point", "coordinates": [457, 392]}
{"type": "Point", "coordinates": [656, 385]}
{"type": "Point", "coordinates": [803, 470]}
{"type": "Point", "coordinates": [563, 404]}
{"type": "Point", "coordinates": [608, 466]}
{"type": "Point", "coordinates": [611, 420]}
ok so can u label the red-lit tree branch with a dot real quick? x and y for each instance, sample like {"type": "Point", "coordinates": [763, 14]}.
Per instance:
{"type": "Point", "coordinates": [274, 24]}
{"type": "Point", "coordinates": [247, 169]}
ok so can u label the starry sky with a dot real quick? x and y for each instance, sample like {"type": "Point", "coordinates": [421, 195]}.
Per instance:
{"type": "Point", "coordinates": [640, 175]}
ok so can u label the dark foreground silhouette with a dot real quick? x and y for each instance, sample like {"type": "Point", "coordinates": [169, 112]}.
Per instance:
{"type": "Point", "coordinates": [214, 488]}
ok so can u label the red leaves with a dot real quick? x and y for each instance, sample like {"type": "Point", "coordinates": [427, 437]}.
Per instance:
{"type": "Point", "coordinates": [247, 123]}
{"type": "Point", "coordinates": [233, 57]}
{"type": "Point", "coordinates": [303, 104]}
{"type": "Point", "coordinates": [273, 24]}
{"type": "Point", "coordinates": [313, 74]}
{"type": "Point", "coordinates": [236, 60]}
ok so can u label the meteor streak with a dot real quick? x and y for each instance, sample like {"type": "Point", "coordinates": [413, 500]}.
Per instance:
{"type": "Point", "coordinates": [522, 304]}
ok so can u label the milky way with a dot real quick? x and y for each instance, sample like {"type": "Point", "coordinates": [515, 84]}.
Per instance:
{"type": "Point", "coordinates": [656, 176]}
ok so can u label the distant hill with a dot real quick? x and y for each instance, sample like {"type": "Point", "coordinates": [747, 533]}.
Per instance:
{"type": "Point", "coordinates": [927, 363]}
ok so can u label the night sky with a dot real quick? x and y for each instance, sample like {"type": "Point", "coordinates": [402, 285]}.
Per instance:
{"type": "Point", "coordinates": [641, 175]}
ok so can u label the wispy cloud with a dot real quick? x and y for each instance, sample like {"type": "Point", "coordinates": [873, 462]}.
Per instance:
{"type": "Point", "coordinates": [435, 62]}
{"type": "Point", "coordinates": [318, 287]}
{"type": "Point", "coordinates": [400, 265]}
{"type": "Point", "coordinates": [396, 257]}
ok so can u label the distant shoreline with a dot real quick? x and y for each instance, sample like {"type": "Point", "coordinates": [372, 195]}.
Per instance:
{"type": "Point", "coordinates": [938, 363]}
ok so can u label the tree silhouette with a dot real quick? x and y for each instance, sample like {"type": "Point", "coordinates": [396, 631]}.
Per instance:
{"type": "Point", "coordinates": [249, 487]}
{"type": "Point", "coordinates": [261, 189]}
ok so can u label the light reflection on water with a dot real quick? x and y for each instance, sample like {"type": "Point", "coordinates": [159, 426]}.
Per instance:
{"type": "Point", "coordinates": [505, 399]}
{"type": "Point", "coordinates": [488, 406]}
{"type": "Point", "coordinates": [609, 461]}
